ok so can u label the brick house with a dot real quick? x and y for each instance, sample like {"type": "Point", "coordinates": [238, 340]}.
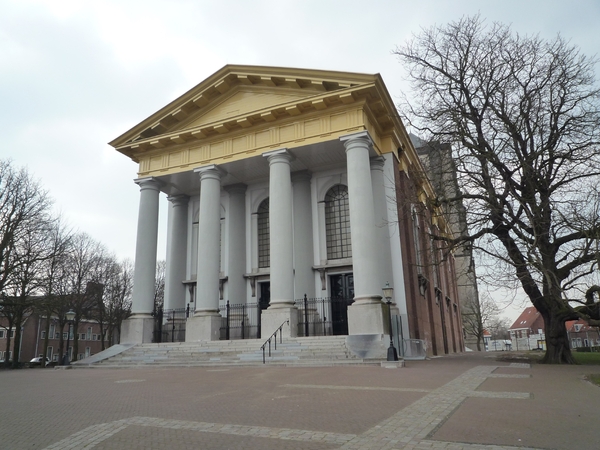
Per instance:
{"type": "Point", "coordinates": [33, 335]}
{"type": "Point", "coordinates": [527, 332]}
{"type": "Point", "coordinates": [581, 334]}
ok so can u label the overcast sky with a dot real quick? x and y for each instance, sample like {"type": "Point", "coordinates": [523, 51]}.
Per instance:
{"type": "Point", "coordinates": [75, 74]}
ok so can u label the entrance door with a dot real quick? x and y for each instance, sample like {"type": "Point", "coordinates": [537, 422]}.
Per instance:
{"type": "Point", "coordinates": [342, 295]}
{"type": "Point", "coordinates": [264, 298]}
{"type": "Point", "coordinates": [264, 295]}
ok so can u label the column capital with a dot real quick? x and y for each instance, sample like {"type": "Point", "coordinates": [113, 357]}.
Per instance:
{"type": "Point", "coordinates": [281, 155]}
{"type": "Point", "coordinates": [209, 172]}
{"type": "Point", "coordinates": [362, 138]}
{"type": "Point", "coordinates": [377, 163]}
{"type": "Point", "coordinates": [148, 183]}
{"type": "Point", "coordinates": [178, 200]}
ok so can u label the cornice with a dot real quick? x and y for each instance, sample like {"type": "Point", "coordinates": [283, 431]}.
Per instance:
{"type": "Point", "coordinates": [264, 117]}
{"type": "Point", "coordinates": [229, 77]}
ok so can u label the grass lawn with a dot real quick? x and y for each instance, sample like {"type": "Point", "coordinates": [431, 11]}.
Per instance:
{"type": "Point", "coordinates": [591, 358]}
{"type": "Point", "coordinates": [594, 378]}
{"type": "Point", "coordinates": [585, 358]}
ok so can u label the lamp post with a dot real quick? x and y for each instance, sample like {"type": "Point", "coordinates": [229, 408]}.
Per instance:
{"type": "Point", "coordinates": [392, 355]}
{"type": "Point", "coordinates": [70, 316]}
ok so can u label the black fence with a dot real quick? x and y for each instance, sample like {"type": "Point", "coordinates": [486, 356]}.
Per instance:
{"type": "Point", "coordinates": [322, 316]}
{"type": "Point", "coordinates": [316, 317]}
{"type": "Point", "coordinates": [241, 321]}
{"type": "Point", "coordinates": [169, 324]}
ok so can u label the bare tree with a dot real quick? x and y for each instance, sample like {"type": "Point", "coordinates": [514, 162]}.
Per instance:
{"type": "Point", "coordinates": [159, 285]}
{"type": "Point", "coordinates": [84, 266]}
{"type": "Point", "coordinates": [22, 202]}
{"type": "Point", "coordinates": [499, 328]}
{"type": "Point", "coordinates": [117, 300]}
{"type": "Point", "coordinates": [24, 208]}
{"type": "Point", "coordinates": [478, 316]}
{"type": "Point", "coordinates": [523, 117]}
{"type": "Point", "coordinates": [30, 252]}
{"type": "Point", "coordinates": [53, 280]}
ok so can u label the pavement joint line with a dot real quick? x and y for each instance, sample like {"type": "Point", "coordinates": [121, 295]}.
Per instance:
{"type": "Point", "coordinates": [470, 446]}
{"type": "Point", "coordinates": [356, 388]}
{"type": "Point", "coordinates": [491, 394]}
{"type": "Point", "coordinates": [90, 436]}
{"type": "Point", "coordinates": [520, 365]}
{"type": "Point", "coordinates": [509, 375]}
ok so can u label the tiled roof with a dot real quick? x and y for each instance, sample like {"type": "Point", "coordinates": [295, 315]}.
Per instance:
{"type": "Point", "coordinates": [575, 326]}
{"type": "Point", "coordinates": [526, 319]}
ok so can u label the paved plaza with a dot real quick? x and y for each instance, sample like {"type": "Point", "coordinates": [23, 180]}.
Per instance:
{"type": "Point", "coordinates": [468, 401]}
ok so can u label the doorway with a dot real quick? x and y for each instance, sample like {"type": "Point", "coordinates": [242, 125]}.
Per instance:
{"type": "Point", "coordinates": [264, 299]}
{"type": "Point", "coordinates": [342, 295]}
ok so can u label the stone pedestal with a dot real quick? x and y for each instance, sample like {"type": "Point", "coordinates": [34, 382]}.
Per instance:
{"type": "Point", "coordinates": [203, 328]}
{"type": "Point", "coordinates": [137, 330]}
{"type": "Point", "coordinates": [367, 318]}
{"type": "Point", "coordinates": [271, 319]}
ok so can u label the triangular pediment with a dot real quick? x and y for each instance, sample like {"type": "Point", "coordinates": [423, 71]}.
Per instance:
{"type": "Point", "coordinates": [242, 102]}
{"type": "Point", "coordinates": [239, 91]}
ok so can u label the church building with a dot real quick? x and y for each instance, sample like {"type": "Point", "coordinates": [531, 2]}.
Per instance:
{"type": "Point", "coordinates": [297, 194]}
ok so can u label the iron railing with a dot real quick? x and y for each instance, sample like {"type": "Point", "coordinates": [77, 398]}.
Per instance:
{"type": "Point", "coordinates": [169, 324]}
{"type": "Point", "coordinates": [322, 316]}
{"type": "Point", "coordinates": [274, 335]}
{"type": "Point", "coordinates": [240, 321]}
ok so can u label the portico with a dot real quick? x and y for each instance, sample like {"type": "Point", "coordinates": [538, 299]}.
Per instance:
{"type": "Point", "coordinates": [280, 183]}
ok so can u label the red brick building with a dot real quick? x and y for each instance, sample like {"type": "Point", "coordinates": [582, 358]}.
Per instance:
{"type": "Point", "coordinates": [33, 336]}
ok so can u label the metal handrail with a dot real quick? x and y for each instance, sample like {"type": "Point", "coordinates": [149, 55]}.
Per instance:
{"type": "Point", "coordinates": [268, 341]}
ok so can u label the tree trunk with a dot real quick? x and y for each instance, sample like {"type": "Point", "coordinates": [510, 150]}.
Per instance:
{"type": "Point", "coordinates": [558, 350]}
{"type": "Point", "coordinates": [8, 341]}
{"type": "Point", "coordinates": [17, 344]}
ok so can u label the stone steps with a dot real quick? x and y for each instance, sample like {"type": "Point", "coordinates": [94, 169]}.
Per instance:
{"type": "Point", "coordinates": [323, 351]}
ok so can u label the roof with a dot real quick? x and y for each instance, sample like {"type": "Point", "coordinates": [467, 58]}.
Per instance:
{"type": "Point", "coordinates": [238, 97]}
{"type": "Point", "coordinates": [583, 326]}
{"type": "Point", "coordinates": [527, 319]}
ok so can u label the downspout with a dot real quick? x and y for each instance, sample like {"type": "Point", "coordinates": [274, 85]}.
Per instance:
{"type": "Point", "coordinates": [37, 341]}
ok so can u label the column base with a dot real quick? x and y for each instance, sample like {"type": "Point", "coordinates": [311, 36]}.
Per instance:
{"type": "Point", "coordinates": [367, 318]}
{"type": "Point", "coordinates": [271, 319]}
{"type": "Point", "coordinates": [203, 328]}
{"type": "Point", "coordinates": [137, 330]}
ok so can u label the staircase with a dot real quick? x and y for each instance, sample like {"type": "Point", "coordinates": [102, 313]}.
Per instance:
{"type": "Point", "coordinates": [305, 351]}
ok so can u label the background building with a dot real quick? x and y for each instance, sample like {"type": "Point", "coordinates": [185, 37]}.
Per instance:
{"type": "Point", "coordinates": [33, 337]}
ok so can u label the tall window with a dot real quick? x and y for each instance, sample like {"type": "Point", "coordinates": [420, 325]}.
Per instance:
{"type": "Point", "coordinates": [417, 239]}
{"type": "Point", "coordinates": [264, 248]}
{"type": "Point", "coordinates": [337, 223]}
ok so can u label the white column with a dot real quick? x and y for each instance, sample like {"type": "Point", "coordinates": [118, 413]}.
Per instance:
{"type": "Point", "coordinates": [209, 242]}
{"type": "Point", "coordinates": [236, 243]}
{"type": "Point", "coordinates": [381, 221]}
{"type": "Point", "coordinates": [365, 257]}
{"type": "Point", "coordinates": [280, 224]}
{"type": "Point", "coordinates": [281, 245]}
{"type": "Point", "coordinates": [138, 328]}
{"type": "Point", "coordinates": [142, 302]}
{"type": "Point", "coordinates": [176, 252]}
{"type": "Point", "coordinates": [303, 246]}
{"type": "Point", "coordinates": [366, 315]}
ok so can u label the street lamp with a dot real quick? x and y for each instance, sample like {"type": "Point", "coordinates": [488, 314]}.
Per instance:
{"type": "Point", "coordinates": [392, 355]}
{"type": "Point", "coordinates": [70, 316]}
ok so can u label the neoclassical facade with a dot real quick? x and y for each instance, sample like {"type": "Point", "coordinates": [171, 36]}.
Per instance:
{"type": "Point", "coordinates": [284, 183]}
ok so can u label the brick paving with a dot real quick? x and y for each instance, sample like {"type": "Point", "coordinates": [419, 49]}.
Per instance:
{"type": "Point", "coordinates": [458, 402]}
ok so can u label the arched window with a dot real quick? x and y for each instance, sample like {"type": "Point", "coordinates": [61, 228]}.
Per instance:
{"type": "Point", "coordinates": [337, 223]}
{"type": "Point", "coordinates": [264, 248]}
